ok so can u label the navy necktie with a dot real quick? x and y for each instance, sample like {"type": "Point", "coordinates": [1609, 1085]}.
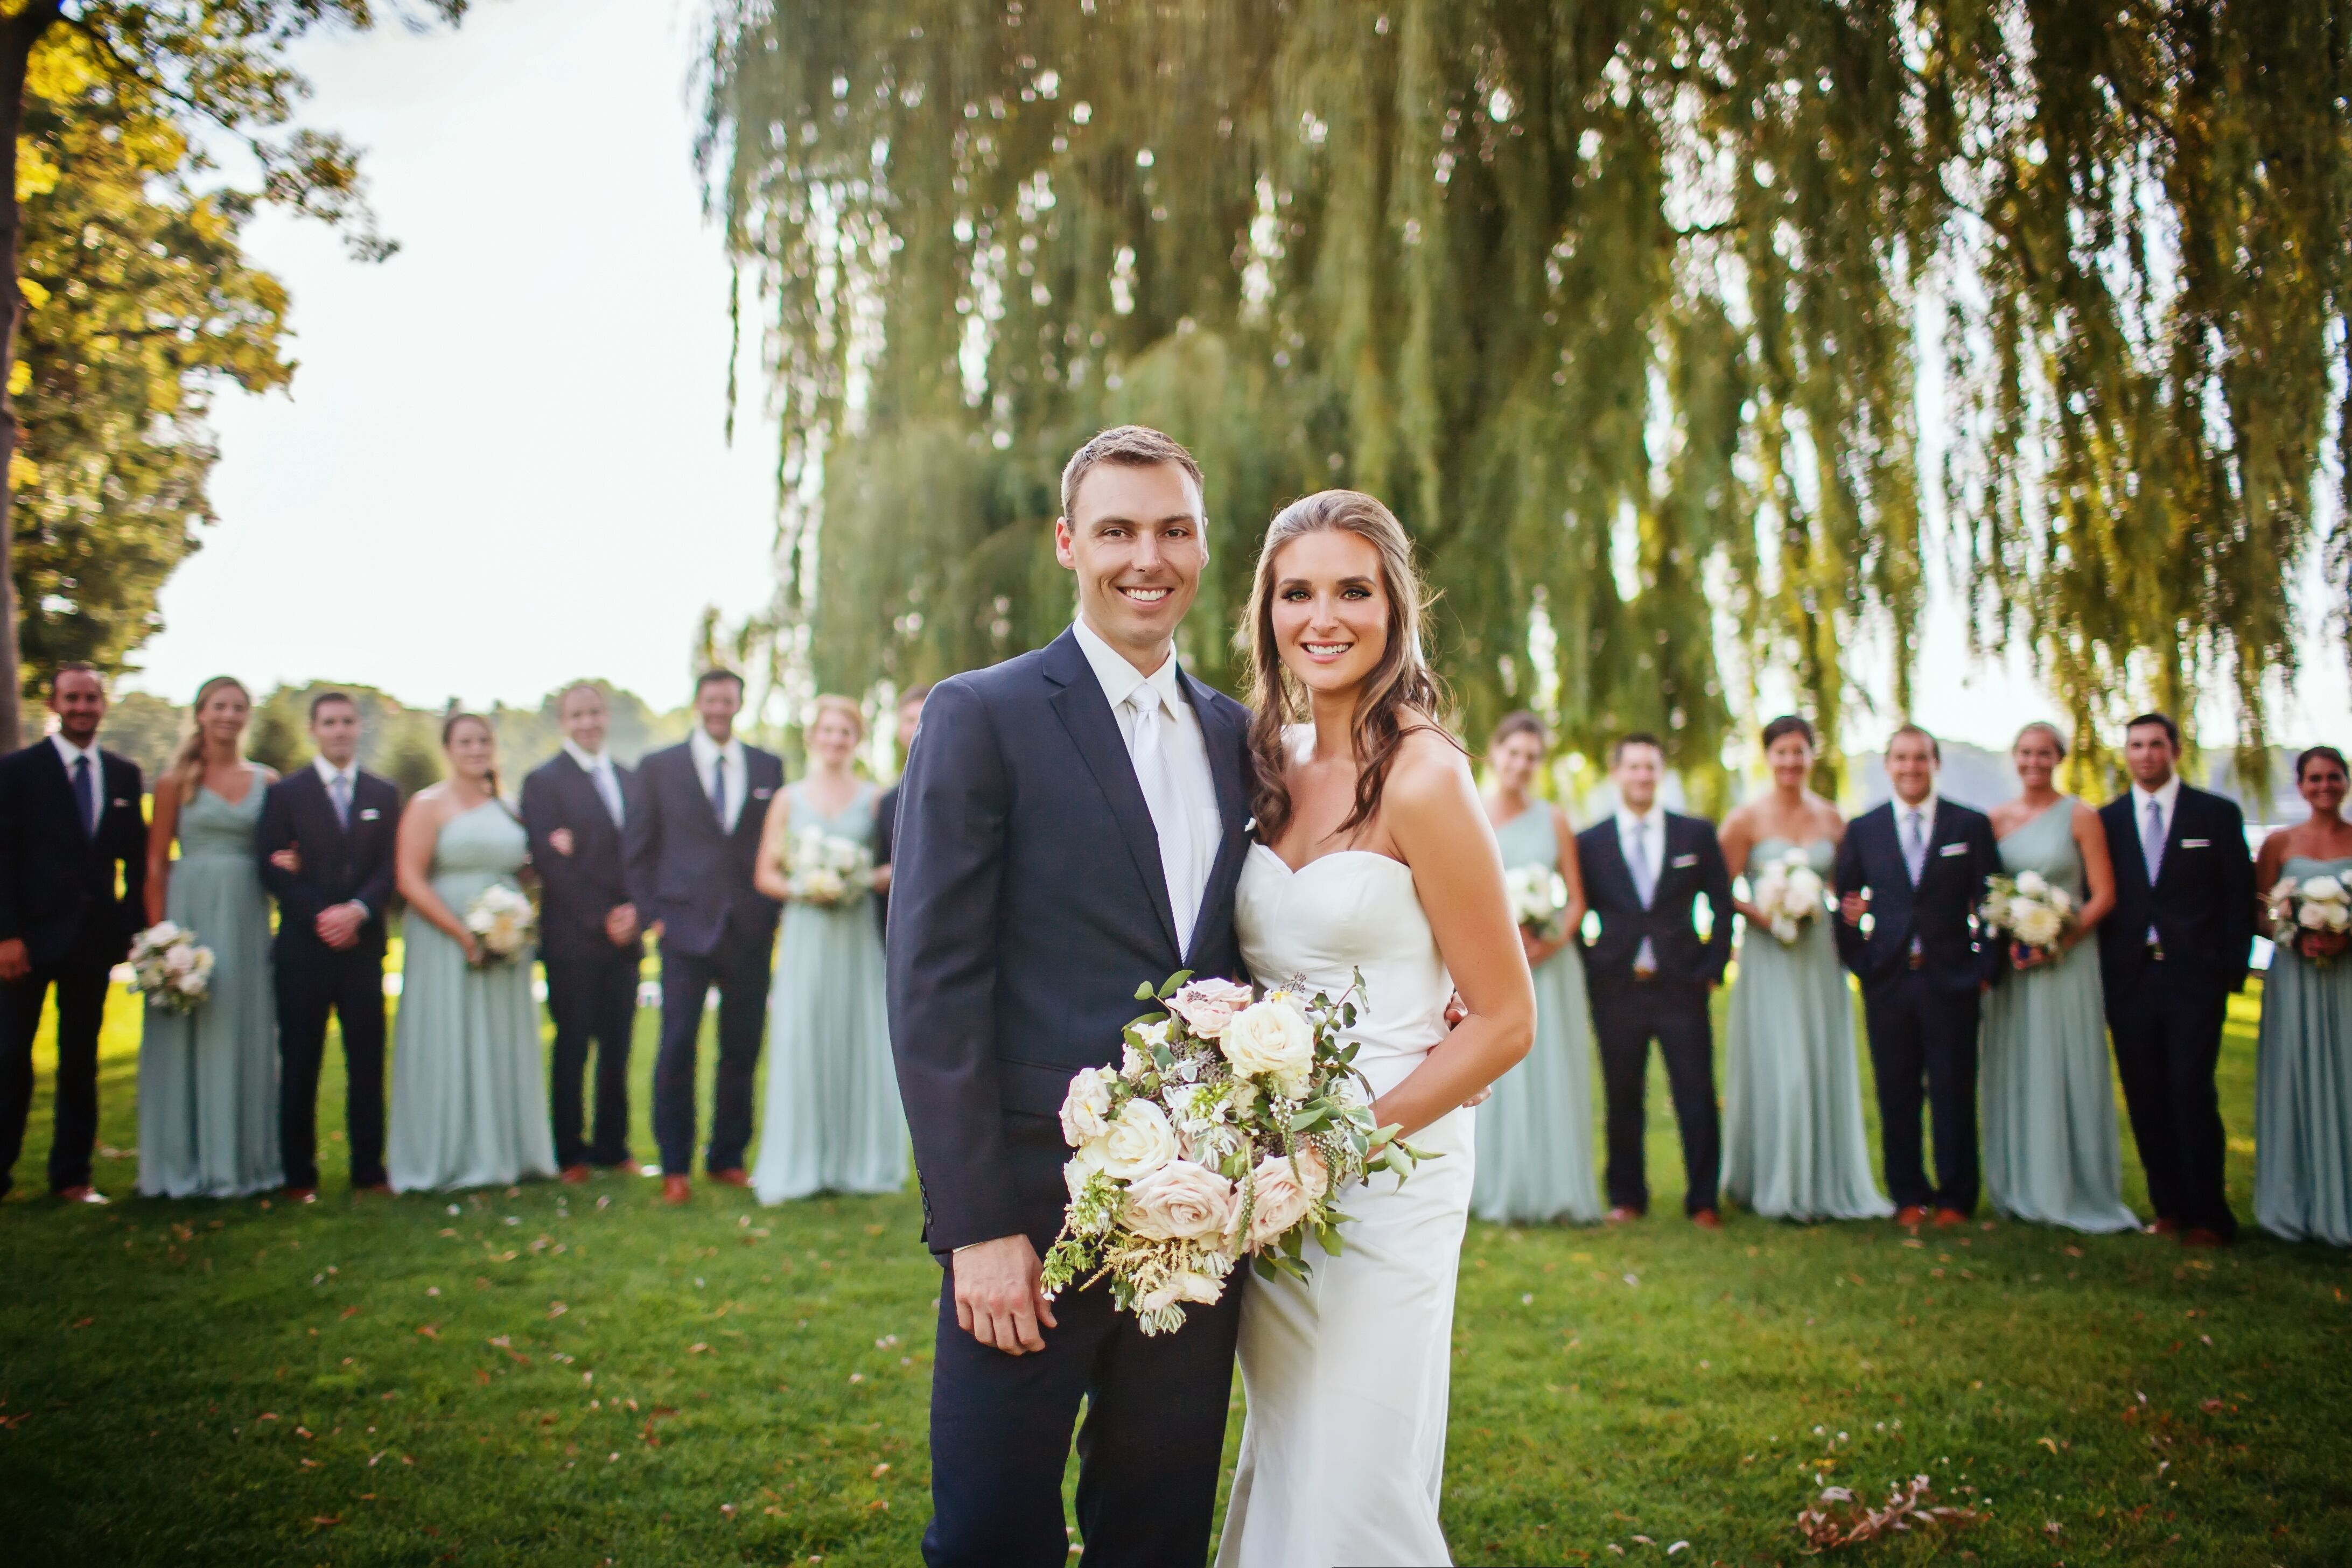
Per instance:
{"type": "Point", "coordinates": [85, 797]}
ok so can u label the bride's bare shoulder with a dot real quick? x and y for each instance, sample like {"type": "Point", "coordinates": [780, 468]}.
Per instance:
{"type": "Point", "coordinates": [1429, 772]}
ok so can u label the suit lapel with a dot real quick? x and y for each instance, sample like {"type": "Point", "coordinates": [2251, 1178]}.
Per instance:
{"type": "Point", "coordinates": [1613, 864]}
{"type": "Point", "coordinates": [2181, 809]}
{"type": "Point", "coordinates": [1085, 713]}
{"type": "Point", "coordinates": [53, 768]}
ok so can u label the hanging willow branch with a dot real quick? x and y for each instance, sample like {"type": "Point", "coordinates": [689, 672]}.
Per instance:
{"type": "Point", "coordinates": [1618, 305]}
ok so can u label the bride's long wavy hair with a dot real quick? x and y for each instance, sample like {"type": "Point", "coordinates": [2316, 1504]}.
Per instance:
{"type": "Point", "coordinates": [1401, 694]}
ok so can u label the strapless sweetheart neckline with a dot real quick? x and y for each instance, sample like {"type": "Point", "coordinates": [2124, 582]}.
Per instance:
{"type": "Point", "coordinates": [1301, 870]}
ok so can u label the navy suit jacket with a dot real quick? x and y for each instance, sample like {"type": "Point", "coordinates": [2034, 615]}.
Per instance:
{"type": "Point", "coordinates": [682, 868]}
{"type": "Point", "coordinates": [338, 865]}
{"type": "Point", "coordinates": [55, 877]}
{"type": "Point", "coordinates": [579, 889]}
{"type": "Point", "coordinates": [2202, 905]}
{"type": "Point", "coordinates": [1940, 912]}
{"type": "Point", "coordinates": [1692, 863]}
{"type": "Point", "coordinates": [1026, 903]}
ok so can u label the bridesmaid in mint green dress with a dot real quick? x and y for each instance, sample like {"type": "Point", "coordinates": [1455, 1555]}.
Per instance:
{"type": "Point", "coordinates": [2051, 1152]}
{"type": "Point", "coordinates": [2302, 1075]}
{"type": "Point", "coordinates": [1535, 1130]}
{"type": "Point", "coordinates": [468, 1101]}
{"type": "Point", "coordinates": [1793, 1144]}
{"type": "Point", "coordinates": [209, 1079]}
{"type": "Point", "coordinates": [830, 1122]}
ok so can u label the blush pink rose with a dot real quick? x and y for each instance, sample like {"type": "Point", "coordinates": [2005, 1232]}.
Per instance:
{"type": "Point", "coordinates": [1208, 1006]}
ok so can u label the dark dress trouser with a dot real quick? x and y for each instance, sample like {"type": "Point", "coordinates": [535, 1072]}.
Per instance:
{"type": "Point", "coordinates": [592, 998]}
{"type": "Point", "coordinates": [2168, 1035]}
{"type": "Point", "coordinates": [81, 977]}
{"type": "Point", "coordinates": [1922, 1033]}
{"type": "Point", "coordinates": [738, 966]}
{"type": "Point", "coordinates": [1626, 1016]}
{"type": "Point", "coordinates": [1153, 1441]}
{"type": "Point", "coordinates": [311, 985]}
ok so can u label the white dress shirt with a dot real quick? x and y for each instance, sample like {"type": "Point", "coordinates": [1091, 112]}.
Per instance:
{"type": "Point", "coordinates": [1642, 838]}
{"type": "Point", "coordinates": [707, 754]}
{"type": "Point", "coordinates": [2166, 797]}
{"type": "Point", "coordinates": [328, 774]}
{"type": "Point", "coordinates": [70, 754]}
{"type": "Point", "coordinates": [598, 766]}
{"type": "Point", "coordinates": [1186, 817]}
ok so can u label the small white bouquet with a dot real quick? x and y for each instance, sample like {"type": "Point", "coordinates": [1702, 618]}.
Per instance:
{"type": "Point", "coordinates": [826, 871]}
{"type": "Point", "coordinates": [2318, 908]}
{"type": "Point", "coordinates": [2028, 909]}
{"type": "Point", "coordinates": [1788, 891]}
{"type": "Point", "coordinates": [172, 967]}
{"type": "Point", "coordinates": [503, 922]}
{"type": "Point", "coordinates": [1539, 897]}
{"type": "Point", "coordinates": [1225, 1132]}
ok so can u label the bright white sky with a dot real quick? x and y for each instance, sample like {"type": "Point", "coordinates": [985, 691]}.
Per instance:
{"type": "Point", "coordinates": [503, 464]}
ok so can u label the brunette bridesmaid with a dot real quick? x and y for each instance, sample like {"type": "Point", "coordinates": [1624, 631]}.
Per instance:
{"type": "Point", "coordinates": [2302, 1075]}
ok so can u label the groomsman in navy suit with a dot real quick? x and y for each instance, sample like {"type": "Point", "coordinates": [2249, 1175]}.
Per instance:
{"type": "Point", "coordinates": [72, 820]}
{"type": "Point", "coordinates": [1916, 866]}
{"type": "Point", "coordinates": [692, 840]}
{"type": "Point", "coordinates": [325, 845]}
{"type": "Point", "coordinates": [2170, 953]}
{"type": "Point", "coordinates": [1648, 974]}
{"type": "Point", "coordinates": [575, 806]}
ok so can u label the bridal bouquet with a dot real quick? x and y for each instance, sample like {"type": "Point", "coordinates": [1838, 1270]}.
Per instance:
{"type": "Point", "coordinates": [824, 870]}
{"type": "Point", "coordinates": [172, 967]}
{"type": "Point", "coordinates": [2319, 906]}
{"type": "Point", "coordinates": [1539, 897]}
{"type": "Point", "coordinates": [1788, 891]}
{"type": "Point", "coordinates": [503, 921]}
{"type": "Point", "coordinates": [2029, 910]}
{"type": "Point", "coordinates": [1230, 1123]}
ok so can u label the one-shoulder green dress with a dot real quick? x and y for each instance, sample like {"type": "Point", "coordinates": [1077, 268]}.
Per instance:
{"type": "Point", "coordinates": [2051, 1152]}
{"type": "Point", "coordinates": [1793, 1144]}
{"type": "Point", "coordinates": [2302, 1089]}
{"type": "Point", "coordinates": [468, 1090]}
{"type": "Point", "coordinates": [831, 1122]}
{"type": "Point", "coordinates": [1535, 1131]}
{"type": "Point", "coordinates": [209, 1079]}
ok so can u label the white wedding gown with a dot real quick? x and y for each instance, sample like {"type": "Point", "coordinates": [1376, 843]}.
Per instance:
{"type": "Point", "coordinates": [1344, 1448]}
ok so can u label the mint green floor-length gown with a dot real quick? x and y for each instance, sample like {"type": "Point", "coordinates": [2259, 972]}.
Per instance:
{"type": "Point", "coordinates": [2302, 1090]}
{"type": "Point", "coordinates": [209, 1079]}
{"type": "Point", "coordinates": [1535, 1131]}
{"type": "Point", "coordinates": [1793, 1146]}
{"type": "Point", "coordinates": [2051, 1152]}
{"type": "Point", "coordinates": [830, 1120]}
{"type": "Point", "coordinates": [469, 1088]}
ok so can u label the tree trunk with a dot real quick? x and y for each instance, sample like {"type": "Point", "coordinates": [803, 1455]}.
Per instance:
{"type": "Point", "coordinates": [19, 33]}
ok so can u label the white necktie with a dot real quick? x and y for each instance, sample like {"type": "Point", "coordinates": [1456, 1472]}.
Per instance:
{"type": "Point", "coordinates": [608, 789]}
{"type": "Point", "coordinates": [1155, 772]}
{"type": "Point", "coordinates": [1914, 846]}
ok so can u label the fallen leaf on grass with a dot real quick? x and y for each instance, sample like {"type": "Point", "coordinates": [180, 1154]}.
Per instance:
{"type": "Point", "coordinates": [556, 1310]}
{"type": "Point", "coordinates": [430, 1331]}
{"type": "Point", "coordinates": [85, 1323]}
{"type": "Point", "coordinates": [351, 1312]}
{"type": "Point", "coordinates": [2211, 1407]}
{"type": "Point", "coordinates": [327, 1518]}
{"type": "Point", "coordinates": [698, 1349]}
{"type": "Point", "coordinates": [1907, 1505]}
{"type": "Point", "coordinates": [2049, 1443]}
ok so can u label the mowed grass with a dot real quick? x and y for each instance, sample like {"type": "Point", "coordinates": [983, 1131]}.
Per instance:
{"type": "Point", "coordinates": [577, 1375]}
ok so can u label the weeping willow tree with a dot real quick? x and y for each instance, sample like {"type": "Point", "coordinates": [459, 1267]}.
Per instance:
{"type": "Point", "coordinates": [1626, 308]}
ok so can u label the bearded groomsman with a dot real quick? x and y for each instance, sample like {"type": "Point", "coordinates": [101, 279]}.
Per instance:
{"type": "Point", "coordinates": [1916, 866]}
{"type": "Point", "coordinates": [2170, 953]}
{"type": "Point", "coordinates": [71, 823]}
{"type": "Point", "coordinates": [1648, 973]}
{"type": "Point", "coordinates": [576, 806]}
{"type": "Point", "coordinates": [325, 845]}
{"type": "Point", "coordinates": [692, 840]}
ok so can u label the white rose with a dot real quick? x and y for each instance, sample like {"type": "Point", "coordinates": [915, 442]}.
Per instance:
{"type": "Point", "coordinates": [2030, 884]}
{"type": "Point", "coordinates": [2326, 888]}
{"type": "Point", "coordinates": [1086, 1110]}
{"type": "Point", "coordinates": [190, 985]}
{"type": "Point", "coordinates": [180, 960]}
{"type": "Point", "coordinates": [1272, 1038]}
{"type": "Point", "coordinates": [2037, 925]}
{"type": "Point", "coordinates": [1208, 1006]}
{"type": "Point", "coordinates": [1784, 929]}
{"type": "Point", "coordinates": [1181, 1201]}
{"type": "Point", "coordinates": [1140, 1142]}
{"type": "Point", "coordinates": [1186, 1286]}
{"type": "Point", "coordinates": [164, 933]}
{"type": "Point", "coordinates": [1081, 1165]}
{"type": "Point", "coordinates": [2311, 916]}
{"type": "Point", "coordinates": [1804, 889]}
{"type": "Point", "coordinates": [1282, 1198]}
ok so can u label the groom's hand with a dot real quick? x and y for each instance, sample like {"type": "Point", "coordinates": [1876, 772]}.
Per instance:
{"type": "Point", "coordinates": [996, 1295]}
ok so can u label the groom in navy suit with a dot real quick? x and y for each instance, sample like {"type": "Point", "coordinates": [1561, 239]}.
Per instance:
{"type": "Point", "coordinates": [690, 842]}
{"type": "Point", "coordinates": [1916, 866]}
{"type": "Point", "coordinates": [1071, 823]}
{"type": "Point", "coordinates": [2170, 953]}
{"type": "Point", "coordinates": [72, 829]}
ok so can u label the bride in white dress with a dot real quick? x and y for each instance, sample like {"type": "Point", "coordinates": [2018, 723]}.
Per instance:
{"type": "Point", "coordinates": [1374, 856]}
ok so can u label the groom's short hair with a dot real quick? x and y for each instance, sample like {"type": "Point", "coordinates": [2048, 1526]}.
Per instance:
{"type": "Point", "coordinates": [1129, 445]}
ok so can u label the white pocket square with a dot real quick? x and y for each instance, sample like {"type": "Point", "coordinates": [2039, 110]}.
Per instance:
{"type": "Point", "coordinates": [370, 814]}
{"type": "Point", "coordinates": [2197, 843]}
{"type": "Point", "coordinates": [1684, 860]}
{"type": "Point", "coordinates": [761, 794]}
{"type": "Point", "coordinates": [121, 805]}
{"type": "Point", "coordinates": [1953, 849]}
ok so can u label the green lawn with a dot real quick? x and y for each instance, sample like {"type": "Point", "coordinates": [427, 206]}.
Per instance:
{"type": "Point", "coordinates": [577, 1375]}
